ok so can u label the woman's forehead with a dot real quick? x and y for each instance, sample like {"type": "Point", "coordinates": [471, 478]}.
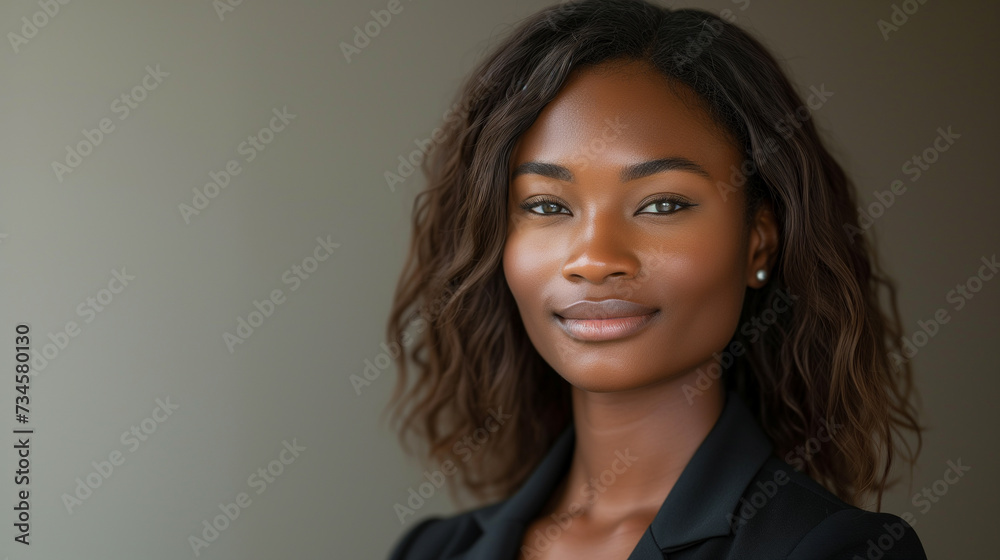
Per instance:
{"type": "Point", "coordinates": [617, 113]}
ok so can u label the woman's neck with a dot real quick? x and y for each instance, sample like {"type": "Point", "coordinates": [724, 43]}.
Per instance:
{"type": "Point", "coordinates": [631, 447]}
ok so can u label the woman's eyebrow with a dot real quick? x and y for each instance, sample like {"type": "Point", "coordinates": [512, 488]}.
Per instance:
{"type": "Point", "coordinates": [627, 173]}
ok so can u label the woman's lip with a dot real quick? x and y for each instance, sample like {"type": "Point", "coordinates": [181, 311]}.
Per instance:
{"type": "Point", "coordinates": [605, 329]}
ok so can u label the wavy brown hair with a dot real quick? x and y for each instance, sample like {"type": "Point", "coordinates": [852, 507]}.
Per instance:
{"type": "Point", "coordinates": [827, 360]}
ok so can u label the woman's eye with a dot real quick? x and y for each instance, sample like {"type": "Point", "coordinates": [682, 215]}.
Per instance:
{"type": "Point", "coordinates": [547, 206]}
{"type": "Point", "coordinates": [664, 206]}
{"type": "Point", "coordinates": [661, 206]}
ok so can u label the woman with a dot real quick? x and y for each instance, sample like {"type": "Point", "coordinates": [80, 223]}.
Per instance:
{"type": "Point", "coordinates": [645, 323]}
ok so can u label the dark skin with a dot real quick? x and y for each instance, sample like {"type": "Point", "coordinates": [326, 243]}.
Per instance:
{"type": "Point", "coordinates": [600, 238]}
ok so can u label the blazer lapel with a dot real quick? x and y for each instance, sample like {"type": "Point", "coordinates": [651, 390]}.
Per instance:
{"type": "Point", "coordinates": [646, 549]}
{"type": "Point", "coordinates": [503, 524]}
{"type": "Point", "coordinates": [697, 508]}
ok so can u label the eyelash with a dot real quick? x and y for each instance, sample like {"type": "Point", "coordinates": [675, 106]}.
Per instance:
{"type": "Point", "coordinates": [679, 204]}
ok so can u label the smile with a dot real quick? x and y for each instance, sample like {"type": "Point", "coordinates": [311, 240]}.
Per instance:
{"type": "Point", "coordinates": [605, 329]}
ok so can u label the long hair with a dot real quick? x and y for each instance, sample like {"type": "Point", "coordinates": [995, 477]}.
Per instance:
{"type": "Point", "coordinates": [828, 361]}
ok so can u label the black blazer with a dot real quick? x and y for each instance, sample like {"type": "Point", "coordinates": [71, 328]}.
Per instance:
{"type": "Point", "coordinates": [734, 499]}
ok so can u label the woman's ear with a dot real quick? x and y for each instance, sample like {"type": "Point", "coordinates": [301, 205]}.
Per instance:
{"type": "Point", "coordinates": [762, 246]}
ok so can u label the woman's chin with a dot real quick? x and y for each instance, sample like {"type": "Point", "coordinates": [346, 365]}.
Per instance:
{"type": "Point", "coordinates": [605, 380]}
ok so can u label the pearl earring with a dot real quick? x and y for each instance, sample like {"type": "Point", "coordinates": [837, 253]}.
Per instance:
{"type": "Point", "coordinates": [761, 275]}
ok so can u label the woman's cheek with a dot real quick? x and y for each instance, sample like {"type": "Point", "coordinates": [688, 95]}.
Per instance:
{"type": "Point", "coordinates": [702, 282]}
{"type": "Point", "coordinates": [528, 260]}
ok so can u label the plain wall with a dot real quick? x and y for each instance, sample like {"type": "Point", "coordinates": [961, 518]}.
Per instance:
{"type": "Point", "coordinates": [63, 237]}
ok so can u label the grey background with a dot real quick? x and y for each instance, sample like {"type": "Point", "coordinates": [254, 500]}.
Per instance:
{"type": "Point", "coordinates": [162, 336]}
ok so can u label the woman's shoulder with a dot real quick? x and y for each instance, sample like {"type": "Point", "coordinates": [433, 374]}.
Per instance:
{"type": "Point", "coordinates": [815, 523]}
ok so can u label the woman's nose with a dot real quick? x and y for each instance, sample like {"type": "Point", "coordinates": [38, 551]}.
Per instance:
{"type": "Point", "coordinates": [602, 248]}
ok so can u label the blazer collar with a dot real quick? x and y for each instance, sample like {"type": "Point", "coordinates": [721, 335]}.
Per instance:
{"type": "Point", "coordinates": [697, 508]}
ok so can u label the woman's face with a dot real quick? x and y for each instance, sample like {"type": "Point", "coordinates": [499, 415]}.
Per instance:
{"type": "Point", "coordinates": [669, 237]}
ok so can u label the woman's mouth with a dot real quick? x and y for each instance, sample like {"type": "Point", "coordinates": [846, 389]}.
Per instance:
{"type": "Point", "coordinates": [596, 329]}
